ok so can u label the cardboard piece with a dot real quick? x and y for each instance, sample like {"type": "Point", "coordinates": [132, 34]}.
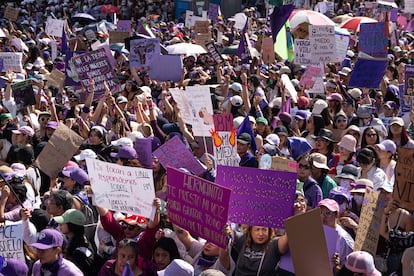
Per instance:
{"type": "Point", "coordinates": [117, 36]}
{"type": "Point", "coordinates": [283, 164]}
{"type": "Point", "coordinates": [201, 27]}
{"type": "Point", "coordinates": [56, 78]}
{"type": "Point", "coordinates": [198, 205]}
{"type": "Point", "coordinates": [11, 13]}
{"type": "Point", "coordinates": [268, 52]}
{"type": "Point", "coordinates": [370, 219]}
{"type": "Point", "coordinates": [259, 197]}
{"type": "Point", "coordinates": [121, 188]}
{"type": "Point", "coordinates": [58, 151]}
{"type": "Point", "coordinates": [302, 247]}
{"type": "Point", "coordinates": [404, 179]}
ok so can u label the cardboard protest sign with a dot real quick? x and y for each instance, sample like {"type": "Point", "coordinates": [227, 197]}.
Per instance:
{"type": "Point", "coordinates": [309, 77]}
{"type": "Point", "coordinates": [12, 61]}
{"type": "Point", "coordinates": [54, 27]}
{"type": "Point", "coordinates": [322, 39]}
{"type": "Point", "coordinates": [404, 179]}
{"type": "Point", "coordinates": [303, 51]}
{"type": "Point", "coordinates": [23, 93]}
{"type": "Point", "coordinates": [121, 188]}
{"type": "Point", "coordinates": [211, 47]}
{"type": "Point", "coordinates": [259, 197]}
{"type": "Point", "coordinates": [55, 78]}
{"type": "Point", "coordinates": [198, 205]}
{"type": "Point", "coordinates": [144, 151]}
{"type": "Point", "coordinates": [95, 65]}
{"type": "Point", "coordinates": [368, 73]}
{"type": "Point", "coordinates": [202, 39]}
{"type": "Point", "coordinates": [123, 26]}
{"type": "Point", "coordinates": [372, 39]}
{"type": "Point", "coordinates": [11, 241]}
{"type": "Point", "coordinates": [196, 108]}
{"type": "Point", "coordinates": [175, 154]}
{"type": "Point", "coordinates": [166, 68]}
{"type": "Point", "coordinates": [304, 248]}
{"type": "Point", "coordinates": [11, 13]}
{"type": "Point", "coordinates": [283, 164]}
{"type": "Point", "coordinates": [117, 36]}
{"type": "Point", "coordinates": [143, 50]}
{"type": "Point", "coordinates": [268, 52]}
{"type": "Point", "coordinates": [201, 26]}
{"type": "Point", "coordinates": [369, 222]}
{"type": "Point", "coordinates": [58, 151]}
{"type": "Point", "coordinates": [224, 138]}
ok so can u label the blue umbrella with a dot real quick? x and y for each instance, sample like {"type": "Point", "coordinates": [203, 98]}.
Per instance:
{"type": "Point", "coordinates": [83, 16]}
{"type": "Point", "coordinates": [119, 48]}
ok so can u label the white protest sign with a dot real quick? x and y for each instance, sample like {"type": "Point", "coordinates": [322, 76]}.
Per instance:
{"type": "Point", "coordinates": [342, 43]}
{"type": "Point", "coordinates": [289, 87]}
{"type": "Point", "coordinates": [54, 27]}
{"type": "Point", "coordinates": [303, 52]}
{"type": "Point", "coordinates": [196, 108]}
{"type": "Point", "coordinates": [120, 188]}
{"type": "Point", "coordinates": [240, 20]}
{"type": "Point", "coordinates": [12, 61]}
{"type": "Point", "coordinates": [409, 6]}
{"type": "Point", "coordinates": [11, 241]}
{"type": "Point", "coordinates": [322, 40]}
{"type": "Point", "coordinates": [53, 47]}
{"type": "Point", "coordinates": [188, 18]}
{"type": "Point", "coordinates": [319, 86]}
{"type": "Point", "coordinates": [226, 152]}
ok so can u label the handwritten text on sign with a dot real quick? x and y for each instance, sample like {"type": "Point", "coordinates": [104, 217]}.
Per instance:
{"type": "Point", "coordinates": [322, 39]}
{"type": "Point", "coordinates": [258, 197]}
{"type": "Point", "coordinates": [11, 241]}
{"type": "Point", "coordinates": [404, 179]}
{"type": "Point", "coordinates": [198, 205]}
{"type": "Point", "coordinates": [96, 65]}
{"type": "Point", "coordinates": [123, 189]}
{"type": "Point", "coordinates": [368, 230]}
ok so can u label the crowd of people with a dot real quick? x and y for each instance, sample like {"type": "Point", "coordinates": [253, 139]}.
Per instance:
{"type": "Point", "coordinates": [344, 139]}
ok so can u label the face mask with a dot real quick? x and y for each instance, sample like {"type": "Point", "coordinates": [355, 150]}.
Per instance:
{"type": "Point", "coordinates": [342, 208]}
{"type": "Point", "coordinates": [359, 199]}
{"type": "Point", "coordinates": [346, 183]}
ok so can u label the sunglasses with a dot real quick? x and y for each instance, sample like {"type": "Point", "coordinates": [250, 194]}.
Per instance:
{"type": "Point", "coordinates": [305, 167]}
{"type": "Point", "coordinates": [341, 121]}
{"type": "Point", "coordinates": [371, 134]}
{"type": "Point", "coordinates": [44, 119]}
{"type": "Point", "coordinates": [129, 227]}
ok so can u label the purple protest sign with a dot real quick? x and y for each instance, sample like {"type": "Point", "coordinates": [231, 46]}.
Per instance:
{"type": "Point", "coordinates": [223, 122]}
{"type": "Point", "coordinates": [143, 149]}
{"type": "Point", "coordinates": [175, 154]}
{"type": "Point", "coordinates": [213, 11]}
{"type": "Point", "coordinates": [368, 73]}
{"type": "Point", "coordinates": [309, 77]}
{"type": "Point", "coordinates": [394, 14]}
{"type": "Point", "coordinates": [165, 68]}
{"type": "Point", "coordinates": [71, 75]}
{"type": "Point", "coordinates": [372, 39]}
{"type": "Point", "coordinates": [1, 64]}
{"type": "Point", "coordinates": [198, 205]}
{"type": "Point", "coordinates": [123, 26]}
{"type": "Point", "coordinates": [258, 197]}
{"type": "Point", "coordinates": [96, 65]}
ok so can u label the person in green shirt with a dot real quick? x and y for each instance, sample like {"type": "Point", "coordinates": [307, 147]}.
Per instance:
{"type": "Point", "coordinates": [320, 171]}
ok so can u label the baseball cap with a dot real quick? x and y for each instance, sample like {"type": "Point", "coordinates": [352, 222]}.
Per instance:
{"type": "Point", "coordinates": [121, 99]}
{"type": "Point", "coordinates": [339, 191]}
{"type": "Point", "coordinates": [135, 220]}
{"type": "Point", "coordinates": [331, 204]}
{"type": "Point", "coordinates": [177, 267]}
{"type": "Point", "coordinates": [273, 139]}
{"type": "Point", "coordinates": [125, 153]}
{"type": "Point", "coordinates": [262, 120]}
{"type": "Point", "coordinates": [398, 121]}
{"type": "Point", "coordinates": [87, 153]}
{"type": "Point", "coordinates": [319, 106]}
{"type": "Point", "coordinates": [361, 186]}
{"type": "Point", "coordinates": [236, 100]}
{"type": "Point", "coordinates": [235, 86]}
{"type": "Point", "coordinates": [26, 130]}
{"type": "Point", "coordinates": [387, 145]}
{"type": "Point", "coordinates": [48, 238]}
{"type": "Point", "coordinates": [281, 130]}
{"type": "Point", "coordinates": [361, 262]}
{"type": "Point", "coordinates": [364, 111]}
{"type": "Point", "coordinates": [335, 97]}
{"type": "Point", "coordinates": [52, 125]}
{"type": "Point", "coordinates": [123, 141]}
{"type": "Point", "coordinates": [71, 216]}
{"type": "Point", "coordinates": [77, 174]}
{"type": "Point", "coordinates": [13, 267]}
{"type": "Point", "coordinates": [244, 138]}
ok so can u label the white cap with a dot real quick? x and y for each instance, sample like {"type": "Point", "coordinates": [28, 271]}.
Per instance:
{"type": "Point", "coordinates": [177, 267]}
{"type": "Point", "coordinates": [273, 139]}
{"type": "Point", "coordinates": [350, 54]}
{"type": "Point", "coordinates": [318, 106]}
{"type": "Point", "coordinates": [87, 153]}
{"type": "Point", "coordinates": [236, 100]}
{"type": "Point", "coordinates": [124, 142]}
{"type": "Point", "coordinates": [134, 135]}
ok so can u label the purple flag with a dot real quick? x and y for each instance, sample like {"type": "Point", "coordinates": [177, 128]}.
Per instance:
{"type": "Point", "coordinates": [246, 126]}
{"type": "Point", "coordinates": [243, 50]}
{"type": "Point", "coordinates": [410, 26]}
{"type": "Point", "coordinates": [64, 46]}
{"type": "Point", "coordinates": [286, 106]}
{"type": "Point", "coordinates": [279, 17]}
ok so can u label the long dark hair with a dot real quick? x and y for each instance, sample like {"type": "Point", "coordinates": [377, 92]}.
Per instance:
{"type": "Point", "coordinates": [404, 136]}
{"type": "Point", "coordinates": [169, 245]}
{"type": "Point", "coordinates": [364, 141]}
{"type": "Point", "coordinates": [78, 240]}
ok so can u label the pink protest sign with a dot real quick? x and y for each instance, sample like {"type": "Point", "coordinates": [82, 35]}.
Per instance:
{"type": "Point", "coordinates": [309, 77]}
{"type": "Point", "coordinates": [174, 153]}
{"type": "Point", "coordinates": [198, 205]}
{"type": "Point", "coordinates": [258, 197]}
{"type": "Point", "coordinates": [223, 122]}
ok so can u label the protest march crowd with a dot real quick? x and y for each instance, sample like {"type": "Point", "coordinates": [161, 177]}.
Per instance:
{"type": "Point", "coordinates": [140, 139]}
